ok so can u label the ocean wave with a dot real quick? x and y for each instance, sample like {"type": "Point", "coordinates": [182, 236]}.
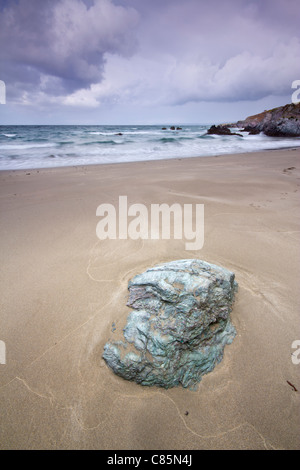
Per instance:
{"type": "Point", "coordinates": [102, 133]}
{"type": "Point", "coordinates": [186, 138]}
{"type": "Point", "coordinates": [167, 140]}
{"type": "Point", "coordinates": [54, 146]}
{"type": "Point", "coordinates": [158, 132]}
{"type": "Point", "coordinates": [26, 146]}
{"type": "Point", "coordinates": [101, 142]}
{"type": "Point", "coordinates": [126, 132]}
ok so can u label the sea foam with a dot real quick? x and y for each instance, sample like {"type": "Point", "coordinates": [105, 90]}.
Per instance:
{"type": "Point", "coordinates": [30, 146]}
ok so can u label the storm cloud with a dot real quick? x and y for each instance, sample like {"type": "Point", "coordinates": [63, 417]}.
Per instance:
{"type": "Point", "coordinates": [63, 39]}
{"type": "Point", "coordinates": [108, 53]}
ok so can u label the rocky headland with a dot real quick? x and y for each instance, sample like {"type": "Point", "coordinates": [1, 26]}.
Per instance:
{"type": "Point", "coordinates": [283, 121]}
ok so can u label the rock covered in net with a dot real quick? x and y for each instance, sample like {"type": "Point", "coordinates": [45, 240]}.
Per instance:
{"type": "Point", "coordinates": [179, 325]}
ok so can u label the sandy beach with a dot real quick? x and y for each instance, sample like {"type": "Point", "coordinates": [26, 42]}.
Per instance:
{"type": "Point", "coordinates": [62, 288]}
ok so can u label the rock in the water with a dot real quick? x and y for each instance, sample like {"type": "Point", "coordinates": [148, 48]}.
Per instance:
{"type": "Point", "coordinates": [179, 324]}
{"type": "Point", "coordinates": [221, 130]}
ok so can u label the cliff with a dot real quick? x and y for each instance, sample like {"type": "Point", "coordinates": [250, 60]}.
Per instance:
{"type": "Point", "coordinates": [283, 121]}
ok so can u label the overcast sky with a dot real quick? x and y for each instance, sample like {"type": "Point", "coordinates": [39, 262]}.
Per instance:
{"type": "Point", "coordinates": [146, 61]}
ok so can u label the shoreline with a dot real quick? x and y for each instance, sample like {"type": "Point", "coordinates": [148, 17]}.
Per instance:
{"type": "Point", "coordinates": [66, 167]}
{"type": "Point", "coordinates": [62, 289]}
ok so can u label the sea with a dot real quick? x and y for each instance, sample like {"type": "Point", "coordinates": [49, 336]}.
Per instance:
{"type": "Point", "coordinates": [29, 147]}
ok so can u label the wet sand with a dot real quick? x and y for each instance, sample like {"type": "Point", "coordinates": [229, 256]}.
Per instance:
{"type": "Point", "coordinates": [62, 288]}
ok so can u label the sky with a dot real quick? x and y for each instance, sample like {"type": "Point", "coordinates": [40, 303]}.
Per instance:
{"type": "Point", "coordinates": [146, 61]}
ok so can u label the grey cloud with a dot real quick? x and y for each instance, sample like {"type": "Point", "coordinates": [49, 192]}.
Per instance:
{"type": "Point", "coordinates": [66, 39]}
{"type": "Point", "coordinates": [165, 53]}
{"type": "Point", "coordinates": [221, 51]}
{"type": "Point", "coordinates": [244, 76]}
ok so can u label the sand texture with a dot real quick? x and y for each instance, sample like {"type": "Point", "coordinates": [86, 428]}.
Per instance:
{"type": "Point", "coordinates": [62, 289]}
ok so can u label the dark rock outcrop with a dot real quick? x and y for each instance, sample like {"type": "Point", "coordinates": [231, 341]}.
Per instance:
{"type": "Point", "coordinates": [283, 121]}
{"type": "Point", "coordinates": [179, 324]}
{"type": "Point", "coordinates": [221, 130]}
{"type": "Point", "coordinates": [252, 131]}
